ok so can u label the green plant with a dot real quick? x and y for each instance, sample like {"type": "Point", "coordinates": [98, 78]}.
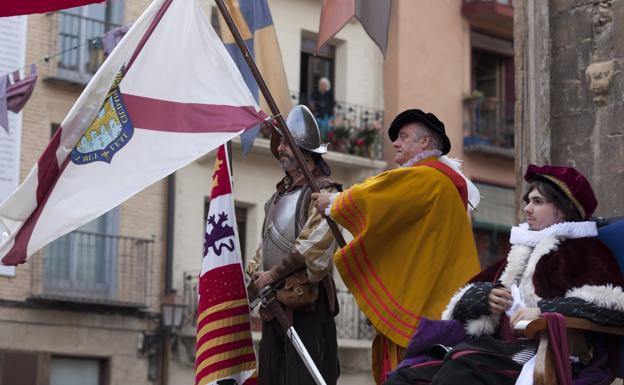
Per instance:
{"type": "Point", "coordinates": [341, 132]}
{"type": "Point", "coordinates": [475, 94]}
{"type": "Point", "coordinates": [362, 141]}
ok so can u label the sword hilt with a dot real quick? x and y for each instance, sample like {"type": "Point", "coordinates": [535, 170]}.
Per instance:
{"type": "Point", "coordinates": [270, 302]}
{"type": "Point", "coordinates": [267, 295]}
{"type": "Point", "coordinates": [256, 296]}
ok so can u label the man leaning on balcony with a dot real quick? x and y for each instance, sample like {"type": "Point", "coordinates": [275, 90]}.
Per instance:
{"type": "Point", "coordinates": [297, 246]}
{"type": "Point", "coordinates": [413, 244]}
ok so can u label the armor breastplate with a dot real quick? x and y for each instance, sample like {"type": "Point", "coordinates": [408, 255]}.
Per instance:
{"type": "Point", "coordinates": [279, 232]}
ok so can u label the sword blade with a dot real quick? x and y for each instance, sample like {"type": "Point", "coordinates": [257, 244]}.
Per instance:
{"type": "Point", "coordinates": [292, 335]}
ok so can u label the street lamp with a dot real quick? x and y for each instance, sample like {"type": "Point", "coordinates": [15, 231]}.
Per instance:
{"type": "Point", "coordinates": [172, 311]}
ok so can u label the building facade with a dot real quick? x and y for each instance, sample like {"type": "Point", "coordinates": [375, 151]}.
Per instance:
{"type": "Point", "coordinates": [85, 309]}
{"type": "Point", "coordinates": [89, 304]}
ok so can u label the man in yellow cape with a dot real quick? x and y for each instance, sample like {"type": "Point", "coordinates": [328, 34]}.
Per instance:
{"type": "Point", "coordinates": [412, 244]}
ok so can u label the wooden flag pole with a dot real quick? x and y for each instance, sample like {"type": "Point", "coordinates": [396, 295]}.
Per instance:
{"type": "Point", "coordinates": [276, 113]}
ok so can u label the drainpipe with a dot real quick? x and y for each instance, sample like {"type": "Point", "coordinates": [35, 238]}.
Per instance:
{"type": "Point", "coordinates": [169, 235]}
{"type": "Point", "coordinates": [166, 332]}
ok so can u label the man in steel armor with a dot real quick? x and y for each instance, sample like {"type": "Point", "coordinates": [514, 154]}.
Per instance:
{"type": "Point", "coordinates": [297, 247]}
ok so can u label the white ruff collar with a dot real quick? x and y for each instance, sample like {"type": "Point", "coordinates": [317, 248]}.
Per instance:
{"type": "Point", "coordinates": [420, 156]}
{"type": "Point", "coordinates": [521, 235]}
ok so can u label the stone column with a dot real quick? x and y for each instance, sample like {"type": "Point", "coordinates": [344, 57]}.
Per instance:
{"type": "Point", "coordinates": [532, 62]}
{"type": "Point", "coordinates": [570, 91]}
{"type": "Point", "coordinates": [587, 89]}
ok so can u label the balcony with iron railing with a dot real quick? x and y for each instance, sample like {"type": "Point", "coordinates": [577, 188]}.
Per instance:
{"type": "Point", "coordinates": [351, 323]}
{"type": "Point", "coordinates": [488, 127]}
{"type": "Point", "coordinates": [352, 129]}
{"type": "Point", "coordinates": [96, 269]}
{"type": "Point", "coordinates": [78, 40]}
{"type": "Point", "coordinates": [352, 328]}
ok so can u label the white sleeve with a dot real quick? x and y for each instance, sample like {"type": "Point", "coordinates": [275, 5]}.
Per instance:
{"type": "Point", "coordinates": [332, 198]}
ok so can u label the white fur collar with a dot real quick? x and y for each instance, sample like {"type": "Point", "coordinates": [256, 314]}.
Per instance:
{"type": "Point", "coordinates": [521, 235]}
{"type": "Point", "coordinates": [474, 196]}
{"type": "Point", "coordinates": [521, 263]}
{"type": "Point", "coordinates": [485, 324]}
{"type": "Point", "coordinates": [448, 312]}
{"type": "Point", "coordinates": [517, 260]}
{"type": "Point", "coordinates": [544, 247]}
{"type": "Point", "coordinates": [604, 296]}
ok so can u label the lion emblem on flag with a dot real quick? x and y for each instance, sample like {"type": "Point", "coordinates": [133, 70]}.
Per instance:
{"type": "Point", "coordinates": [221, 230]}
{"type": "Point", "coordinates": [110, 131]}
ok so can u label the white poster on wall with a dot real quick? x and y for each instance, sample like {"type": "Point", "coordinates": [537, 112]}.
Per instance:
{"type": "Point", "coordinates": [12, 57]}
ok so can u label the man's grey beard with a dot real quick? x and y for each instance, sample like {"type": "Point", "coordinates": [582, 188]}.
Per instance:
{"type": "Point", "coordinates": [288, 163]}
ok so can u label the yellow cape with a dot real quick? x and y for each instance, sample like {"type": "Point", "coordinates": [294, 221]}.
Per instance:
{"type": "Point", "coordinates": [412, 247]}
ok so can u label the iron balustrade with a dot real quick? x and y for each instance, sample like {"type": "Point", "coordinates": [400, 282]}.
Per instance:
{"type": "Point", "coordinates": [350, 322]}
{"type": "Point", "coordinates": [79, 39]}
{"type": "Point", "coordinates": [352, 129]}
{"type": "Point", "coordinates": [95, 268]}
{"type": "Point", "coordinates": [489, 126]}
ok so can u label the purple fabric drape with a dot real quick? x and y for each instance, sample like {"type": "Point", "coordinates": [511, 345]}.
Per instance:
{"type": "Point", "coordinates": [558, 336]}
{"type": "Point", "coordinates": [4, 117]}
{"type": "Point", "coordinates": [429, 332]}
{"type": "Point", "coordinates": [20, 91]}
{"type": "Point", "coordinates": [452, 332]}
{"type": "Point", "coordinates": [15, 94]}
{"type": "Point", "coordinates": [112, 38]}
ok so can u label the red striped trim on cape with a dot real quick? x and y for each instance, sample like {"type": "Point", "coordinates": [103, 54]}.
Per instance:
{"type": "Point", "coordinates": [454, 176]}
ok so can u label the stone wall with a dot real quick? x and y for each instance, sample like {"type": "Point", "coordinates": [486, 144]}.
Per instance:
{"type": "Point", "coordinates": [571, 110]}
{"type": "Point", "coordinates": [587, 109]}
{"type": "Point", "coordinates": [113, 339]}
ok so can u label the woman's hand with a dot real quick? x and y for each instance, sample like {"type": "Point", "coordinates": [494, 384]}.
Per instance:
{"type": "Point", "coordinates": [525, 313]}
{"type": "Point", "coordinates": [499, 300]}
{"type": "Point", "coordinates": [321, 201]}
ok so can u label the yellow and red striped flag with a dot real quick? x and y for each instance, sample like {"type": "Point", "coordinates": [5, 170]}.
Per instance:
{"type": "Point", "coordinates": [224, 349]}
{"type": "Point", "coordinates": [254, 21]}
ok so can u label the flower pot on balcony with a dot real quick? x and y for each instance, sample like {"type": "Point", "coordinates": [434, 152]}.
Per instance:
{"type": "Point", "coordinates": [339, 145]}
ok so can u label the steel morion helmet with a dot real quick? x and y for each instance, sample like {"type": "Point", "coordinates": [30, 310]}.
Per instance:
{"type": "Point", "coordinates": [304, 130]}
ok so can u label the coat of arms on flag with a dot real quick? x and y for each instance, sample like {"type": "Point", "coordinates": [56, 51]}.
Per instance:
{"type": "Point", "coordinates": [224, 354]}
{"type": "Point", "coordinates": [109, 132]}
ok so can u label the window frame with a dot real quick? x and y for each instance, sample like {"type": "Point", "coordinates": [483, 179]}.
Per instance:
{"type": "Point", "coordinates": [104, 364]}
{"type": "Point", "coordinates": [81, 75]}
{"type": "Point", "coordinates": [68, 247]}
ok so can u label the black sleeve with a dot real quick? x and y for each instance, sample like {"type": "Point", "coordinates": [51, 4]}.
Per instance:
{"type": "Point", "coordinates": [474, 303]}
{"type": "Point", "coordinates": [576, 307]}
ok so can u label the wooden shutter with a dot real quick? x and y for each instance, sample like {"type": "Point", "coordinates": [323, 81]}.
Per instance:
{"type": "Point", "coordinates": [24, 367]}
